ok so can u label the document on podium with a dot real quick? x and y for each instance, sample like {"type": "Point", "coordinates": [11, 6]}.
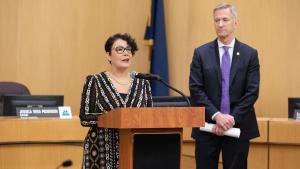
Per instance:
{"type": "Point", "coordinates": [232, 132]}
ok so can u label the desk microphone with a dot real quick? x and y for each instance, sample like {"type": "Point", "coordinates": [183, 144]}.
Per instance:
{"type": "Point", "coordinates": [146, 76]}
{"type": "Point", "coordinates": [66, 163]}
{"type": "Point", "coordinates": [149, 76]}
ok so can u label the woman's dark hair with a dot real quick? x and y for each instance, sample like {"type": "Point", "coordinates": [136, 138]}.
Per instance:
{"type": "Point", "coordinates": [126, 37]}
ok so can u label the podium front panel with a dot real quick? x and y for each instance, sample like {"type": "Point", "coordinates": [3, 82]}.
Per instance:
{"type": "Point", "coordinates": [159, 151]}
{"type": "Point", "coordinates": [150, 148]}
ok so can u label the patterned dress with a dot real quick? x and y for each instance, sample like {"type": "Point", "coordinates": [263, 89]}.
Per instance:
{"type": "Point", "coordinates": [100, 96]}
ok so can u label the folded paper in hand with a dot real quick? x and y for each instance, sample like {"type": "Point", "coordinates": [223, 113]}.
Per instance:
{"type": "Point", "coordinates": [232, 132]}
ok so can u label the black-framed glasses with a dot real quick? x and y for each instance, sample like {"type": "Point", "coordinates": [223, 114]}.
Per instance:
{"type": "Point", "coordinates": [121, 49]}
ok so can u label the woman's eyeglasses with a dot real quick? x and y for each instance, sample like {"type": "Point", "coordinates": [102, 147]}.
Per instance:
{"type": "Point", "coordinates": [121, 50]}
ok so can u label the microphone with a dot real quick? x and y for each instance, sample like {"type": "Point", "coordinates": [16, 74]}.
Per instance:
{"type": "Point", "coordinates": [146, 76]}
{"type": "Point", "coordinates": [149, 76]}
{"type": "Point", "coordinates": [66, 163]}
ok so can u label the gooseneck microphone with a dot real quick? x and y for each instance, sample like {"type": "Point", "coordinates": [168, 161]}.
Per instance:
{"type": "Point", "coordinates": [66, 163]}
{"type": "Point", "coordinates": [146, 76]}
{"type": "Point", "coordinates": [149, 76]}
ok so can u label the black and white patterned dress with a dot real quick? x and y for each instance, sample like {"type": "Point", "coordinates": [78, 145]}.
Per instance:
{"type": "Point", "coordinates": [100, 96]}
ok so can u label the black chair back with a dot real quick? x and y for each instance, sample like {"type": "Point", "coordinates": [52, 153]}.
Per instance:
{"type": "Point", "coordinates": [169, 101]}
{"type": "Point", "coordinates": [8, 88]}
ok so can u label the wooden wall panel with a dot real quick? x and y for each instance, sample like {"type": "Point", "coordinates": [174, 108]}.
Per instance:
{"type": "Point", "coordinates": [284, 131]}
{"type": "Point", "coordinates": [51, 45]}
{"type": "Point", "coordinates": [46, 156]}
{"type": "Point", "coordinates": [40, 143]}
{"type": "Point", "coordinates": [188, 162]}
{"type": "Point", "coordinates": [258, 156]}
{"type": "Point", "coordinates": [8, 40]}
{"type": "Point", "coordinates": [269, 26]}
{"type": "Point", "coordinates": [284, 137]}
{"type": "Point", "coordinates": [284, 156]}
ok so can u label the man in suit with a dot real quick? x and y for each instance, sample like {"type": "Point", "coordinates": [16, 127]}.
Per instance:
{"type": "Point", "coordinates": [224, 77]}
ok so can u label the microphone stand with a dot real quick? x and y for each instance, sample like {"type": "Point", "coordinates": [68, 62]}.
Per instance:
{"type": "Point", "coordinates": [183, 95]}
{"type": "Point", "coordinates": [58, 166]}
{"type": "Point", "coordinates": [157, 77]}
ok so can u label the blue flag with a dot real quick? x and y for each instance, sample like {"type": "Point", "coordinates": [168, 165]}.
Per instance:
{"type": "Point", "coordinates": [155, 36]}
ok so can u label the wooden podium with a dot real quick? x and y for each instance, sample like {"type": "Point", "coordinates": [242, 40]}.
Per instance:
{"type": "Point", "coordinates": [152, 137]}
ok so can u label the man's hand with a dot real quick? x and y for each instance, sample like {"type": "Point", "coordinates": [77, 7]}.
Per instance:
{"type": "Point", "coordinates": [217, 130]}
{"type": "Point", "coordinates": [224, 121]}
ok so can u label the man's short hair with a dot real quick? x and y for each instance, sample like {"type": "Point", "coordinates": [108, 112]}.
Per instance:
{"type": "Point", "coordinates": [227, 6]}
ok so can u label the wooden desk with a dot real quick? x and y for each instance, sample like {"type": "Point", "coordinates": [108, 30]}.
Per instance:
{"type": "Point", "coordinates": [258, 152]}
{"type": "Point", "coordinates": [40, 143]}
{"type": "Point", "coordinates": [284, 138]}
{"type": "Point", "coordinates": [45, 143]}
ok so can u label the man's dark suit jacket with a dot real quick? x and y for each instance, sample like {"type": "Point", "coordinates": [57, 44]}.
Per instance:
{"type": "Point", "coordinates": [205, 86]}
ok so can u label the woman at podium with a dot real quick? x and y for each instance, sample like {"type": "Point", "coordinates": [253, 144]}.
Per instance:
{"type": "Point", "coordinates": [105, 91]}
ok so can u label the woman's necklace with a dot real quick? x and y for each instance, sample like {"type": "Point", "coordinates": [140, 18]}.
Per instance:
{"type": "Point", "coordinates": [115, 79]}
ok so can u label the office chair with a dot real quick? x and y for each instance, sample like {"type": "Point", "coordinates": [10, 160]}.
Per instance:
{"type": "Point", "coordinates": [11, 88]}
